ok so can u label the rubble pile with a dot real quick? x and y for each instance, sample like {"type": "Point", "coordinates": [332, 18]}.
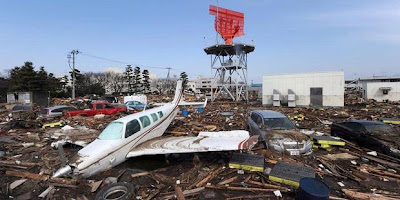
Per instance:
{"type": "Point", "coordinates": [30, 155]}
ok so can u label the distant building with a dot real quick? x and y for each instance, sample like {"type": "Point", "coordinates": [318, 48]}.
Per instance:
{"type": "Point", "coordinates": [203, 84]}
{"type": "Point", "coordinates": [191, 85]}
{"type": "Point", "coordinates": [40, 98]}
{"type": "Point", "coordinates": [305, 89]}
{"type": "Point", "coordinates": [381, 88]}
{"type": "Point", "coordinates": [255, 91]}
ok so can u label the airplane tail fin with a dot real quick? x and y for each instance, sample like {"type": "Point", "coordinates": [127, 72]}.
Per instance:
{"type": "Point", "coordinates": [178, 92]}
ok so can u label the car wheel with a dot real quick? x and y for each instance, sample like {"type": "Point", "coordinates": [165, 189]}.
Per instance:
{"type": "Point", "coordinates": [116, 191]}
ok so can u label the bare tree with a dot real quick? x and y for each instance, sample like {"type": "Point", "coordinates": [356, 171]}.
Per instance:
{"type": "Point", "coordinates": [164, 86]}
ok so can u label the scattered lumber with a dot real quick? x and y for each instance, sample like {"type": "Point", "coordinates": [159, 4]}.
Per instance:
{"type": "Point", "coordinates": [365, 196]}
{"type": "Point", "coordinates": [248, 189]}
{"type": "Point", "coordinates": [40, 177]}
{"type": "Point", "coordinates": [179, 193]}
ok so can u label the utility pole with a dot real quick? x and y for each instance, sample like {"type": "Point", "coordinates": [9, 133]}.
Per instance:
{"type": "Point", "coordinates": [73, 53]}
{"type": "Point", "coordinates": [169, 68]}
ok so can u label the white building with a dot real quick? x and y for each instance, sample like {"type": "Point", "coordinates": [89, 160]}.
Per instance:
{"type": "Point", "coordinates": [381, 88]}
{"type": "Point", "coordinates": [191, 85]}
{"type": "Point", "coordinates": [305, 89]}
{"type": "Point", "coordinates": [203, 84]}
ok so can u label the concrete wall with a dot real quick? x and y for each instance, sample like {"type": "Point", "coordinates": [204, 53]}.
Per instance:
{"type": "Point", "coordinates": [332, 84]}
{"type": "Point", "coordinates": [372, 90]}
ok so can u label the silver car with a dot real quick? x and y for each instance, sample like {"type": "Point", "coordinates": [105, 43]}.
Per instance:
{"type": "Point", "coordinates": [55, 111]}
{"type": "Point", "coordinates": [278, 132]}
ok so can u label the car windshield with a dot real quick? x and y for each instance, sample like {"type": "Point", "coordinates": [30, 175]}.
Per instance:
{"type": "Point", "coordinates": [112, 132]}
{"type": "Point", "coordinates": [279, 123]}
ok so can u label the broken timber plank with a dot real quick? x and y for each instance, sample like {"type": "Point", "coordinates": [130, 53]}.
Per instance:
{"type": "Point", "coordinates": [239, 188]}
{"type": "Point", "coordinates": [40, 177]}
{"type": "Point", "coordinates": [262, 196]}
{"type": "Point", "coordinates": [266, 185]}
{"type": "Point", "coordinates": [140, 174]}
{"type": "Point", "coordinates": [227, 181]}
{"type": "Point", "coordinates": [25, 164]}
{"type": "Point", "coordinates": [365, 196]}
{"type": "Point", "coordinates": [207, 178]}
{"type": "Point", "coordinates": [179, 193]}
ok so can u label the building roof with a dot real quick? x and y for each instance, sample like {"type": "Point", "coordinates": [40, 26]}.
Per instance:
{"type": "Point", "coordinates": [379, 78]}
{"type": "Point", "coordinates": [269, 114]}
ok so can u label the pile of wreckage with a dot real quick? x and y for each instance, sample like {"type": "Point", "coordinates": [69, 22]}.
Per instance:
{"type": "Point", "coordinates": [339, 167]}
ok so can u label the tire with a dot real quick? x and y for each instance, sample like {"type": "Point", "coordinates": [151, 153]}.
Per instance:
{"type": "Point", "coordinates": [116, 191]}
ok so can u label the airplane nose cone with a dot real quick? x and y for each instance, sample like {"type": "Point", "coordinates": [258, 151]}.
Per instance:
{"type": "Point", "coordinates": [62, 171]}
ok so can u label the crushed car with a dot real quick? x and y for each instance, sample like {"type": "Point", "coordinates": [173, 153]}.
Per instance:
{"type": "Point", "coordinates": [98, 107]}
{"type": "Point", "coordinates": [276, 131]}
{"type": "Point", "coordinates": [375, 135]}
{"type": "Point", "coordinates": [55, 111]}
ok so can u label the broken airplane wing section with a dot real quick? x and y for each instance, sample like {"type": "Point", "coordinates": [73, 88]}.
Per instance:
{"type": "Point", "coordinates": [204, 142]}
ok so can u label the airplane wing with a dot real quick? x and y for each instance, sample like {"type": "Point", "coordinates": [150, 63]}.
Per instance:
{"type": "Point", "coordinates": [204, 142]}
{"type": "Point", "coordinates": [185, 103]}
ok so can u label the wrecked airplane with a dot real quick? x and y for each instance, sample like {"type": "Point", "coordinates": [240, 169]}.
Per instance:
{"type": "Point", "coordinates": [122, 137]}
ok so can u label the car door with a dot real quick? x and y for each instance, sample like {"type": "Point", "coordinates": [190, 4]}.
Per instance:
{"type": "Point", "coordinates": [99, 108]}
{"type": "Point", "coordinates": [251, 123]}
{"type": "Point", "coordinates": [109, 109]}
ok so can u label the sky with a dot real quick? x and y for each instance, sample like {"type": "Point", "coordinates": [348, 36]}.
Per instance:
{"type": "Point", "coordinates": [360, 37]}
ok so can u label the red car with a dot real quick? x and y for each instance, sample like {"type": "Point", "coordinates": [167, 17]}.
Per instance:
{"type": "Point", "coordinates": [97, 108]}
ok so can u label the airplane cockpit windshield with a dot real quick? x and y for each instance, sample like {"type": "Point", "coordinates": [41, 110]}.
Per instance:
{"type": "Point", "coordinates": [112, 132]}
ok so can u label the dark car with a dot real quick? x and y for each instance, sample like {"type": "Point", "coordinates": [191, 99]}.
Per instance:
{"type": "Point", "coordinates": [278, 132]}
{"type": "Point", "coordinates": [374, 135]}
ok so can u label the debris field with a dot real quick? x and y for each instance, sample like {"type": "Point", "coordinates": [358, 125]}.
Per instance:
{"type": "Point", "coordinates": [30, 154]}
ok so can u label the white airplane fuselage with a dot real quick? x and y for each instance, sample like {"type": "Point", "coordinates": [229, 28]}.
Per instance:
{"type": "Point", "coordinates": [103, 154]}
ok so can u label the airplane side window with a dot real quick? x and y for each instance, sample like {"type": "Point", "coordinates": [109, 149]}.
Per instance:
{"type": "Point", "coordinates": [145, 121]}
{"type": "Point", "coordinates": [132, 127]}
{"type": "Point", "coordinates": [160, 113]}
{"type": "Point", "coordinates": [154, 116]}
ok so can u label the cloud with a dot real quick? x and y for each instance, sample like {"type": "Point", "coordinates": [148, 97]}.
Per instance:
{"type": "Point", "coordinates": [113, 69]}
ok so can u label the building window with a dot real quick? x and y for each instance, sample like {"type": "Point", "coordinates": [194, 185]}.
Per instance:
{"type": "Point", "coordinates": [385, 92]}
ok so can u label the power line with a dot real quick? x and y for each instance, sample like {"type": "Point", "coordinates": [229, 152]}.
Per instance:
{"type": "Point", "coordinates": [120, 62]}
{"type": "Point", "coordinates": [143, 66]}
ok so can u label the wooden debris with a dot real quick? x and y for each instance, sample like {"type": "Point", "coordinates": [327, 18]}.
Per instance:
{"type": "Point", "coordinates": [25, 164]}
{"type": "Point", "coordinates": [40, 177]}
{"type": "Point", "coordinates": [248, 189]}
{"type": "Point", "coordinates": [262, 196]}
{"type": "Point", "coordinates": [139, 174]}
{"type": "Point", "coordinates": [46, 192]}
{"type": "Point", "coordinates": [179, 193]}
{"type": "Point", "coordinates": [340, 156]}
{"type": "Point", "coordinates": [365, 196]}
{"type": "Point", "coordinates": [227, 181]}
{"type": "Point", "coordinates": [265, 185]}
{"type": "Point", "coordinates": [17, 183]}
{"type": "Point", "coordinates": [95, 186]}
{"type": "Point", "coordinates": [207, 178]}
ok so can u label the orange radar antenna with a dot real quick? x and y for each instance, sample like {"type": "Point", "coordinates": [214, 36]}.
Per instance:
{"type": "Point", "coordinates": [228, 23]}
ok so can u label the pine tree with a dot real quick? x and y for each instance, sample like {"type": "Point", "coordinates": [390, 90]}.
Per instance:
{"type": "Point", "coordinates": [128, 77]}
{"type": "Point", "coordinates": [146, 81]}
{"type": "Point", "coordinates": [138, 79]}
{"type": "Point", "coordinates": [184, 78]}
